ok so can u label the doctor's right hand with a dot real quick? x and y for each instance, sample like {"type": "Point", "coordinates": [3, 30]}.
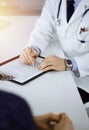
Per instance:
{"type": "Point", "coordinates": [28, 56]}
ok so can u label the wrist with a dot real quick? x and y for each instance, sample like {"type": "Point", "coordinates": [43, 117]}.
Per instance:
{"type": "Point", "coordinates": [37, 49]}
{"type": "Point", "coordinates": [64, 65]}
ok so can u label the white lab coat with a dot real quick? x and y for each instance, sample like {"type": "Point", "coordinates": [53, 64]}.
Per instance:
{"type": "Point", "coordinates": [68, 34]}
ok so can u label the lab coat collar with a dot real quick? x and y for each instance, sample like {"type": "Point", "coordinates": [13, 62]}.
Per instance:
{"type": "Point", "coordinates": [84, 4]}
{"type": "Point", "coordinates": [63, 11]}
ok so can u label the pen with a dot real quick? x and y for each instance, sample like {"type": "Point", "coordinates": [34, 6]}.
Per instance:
{"type": "Point", "coordinates": [33, 65]}
{"type": "Point", "coordinates": [42, 57]}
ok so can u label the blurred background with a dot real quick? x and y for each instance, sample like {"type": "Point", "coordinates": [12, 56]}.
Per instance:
{"type": "Point", "coordinates": [21, 7]}
{"type": "Point", "coordinates": [17, 20]}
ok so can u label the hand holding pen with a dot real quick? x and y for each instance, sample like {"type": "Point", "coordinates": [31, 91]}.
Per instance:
{"type": "Point", "coordinates": [28, 56]}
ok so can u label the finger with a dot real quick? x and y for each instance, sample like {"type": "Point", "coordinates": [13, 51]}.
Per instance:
{"type": "Point", "coordinates": [44, 64]}
{"type": "Point", "coordinates": [52, 120]}
{"type": "Point", "coordinates": [28, 52]}
{"type": "Point", "coordinates": [23, 59]}
{"type": "Point", "coordinates": [65, 118]}
{"type": "Point", "coordinates": [53, 117]}
{"type": "Point", "coordinates": [48, 61]}
{"type": "Point", "coordinates": [61, 116]}
{"type": "Point", "coordinates": [48, 68]}
{"type": "Point", "coordinates": [25, 55]}
{"type": "Point", "coordinates": [34, 53]}
{"type": "Point", "coordinates": [29, 57]}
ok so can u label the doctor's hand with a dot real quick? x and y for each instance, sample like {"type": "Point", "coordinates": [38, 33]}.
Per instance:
{"type": "Point", "coordinates": [43, 122]}
{"type": "Point", "coordinates": [28, 56]}
{"type": "Point", "coordinates": [64, 123]}
{"type": "Point", "coordinates": [53, 63]}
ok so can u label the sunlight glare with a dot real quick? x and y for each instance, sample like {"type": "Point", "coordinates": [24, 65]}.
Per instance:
{"type": "Point", "coordinates": [3, 24]}
{"type": "Point", "coordinates": [3, 4]}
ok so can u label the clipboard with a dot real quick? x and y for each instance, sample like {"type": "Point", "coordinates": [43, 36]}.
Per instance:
{"type": "Point", "coordinates": [22, 73]}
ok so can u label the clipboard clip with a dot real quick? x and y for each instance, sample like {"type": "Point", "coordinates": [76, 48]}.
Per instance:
{"type": "Point", "coordinates": [5, 76]}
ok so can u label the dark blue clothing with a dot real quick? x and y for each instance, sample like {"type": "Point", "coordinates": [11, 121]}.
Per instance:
{"type": "Point", "coordinates": [15, 114]}
{"type": "Point", "coordinates": [84, 95]}
{"type": "Point", "coordinates": [70, 9]}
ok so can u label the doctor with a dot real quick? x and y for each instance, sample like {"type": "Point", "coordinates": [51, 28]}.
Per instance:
{"type": "Point", "coordinates": [72, 30]}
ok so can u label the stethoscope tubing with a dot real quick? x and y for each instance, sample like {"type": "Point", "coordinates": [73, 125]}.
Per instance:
{"type": "Point", "coordinates": [58, 19]}
{"type": "Point", "coordinates": [85, 12]}
{"type": "Point", "coordinates": [59, 7]}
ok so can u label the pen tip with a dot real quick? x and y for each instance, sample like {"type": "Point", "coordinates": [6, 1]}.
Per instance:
{"type": "Point", "coordinates": [33, 65]}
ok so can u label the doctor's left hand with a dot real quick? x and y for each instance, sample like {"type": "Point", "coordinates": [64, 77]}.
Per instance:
{"type": "Point", "coordinates": [53, 62]}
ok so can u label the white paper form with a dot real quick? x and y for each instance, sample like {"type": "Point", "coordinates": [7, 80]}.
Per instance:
{"type": "Point", "coordinates": [21, 72]}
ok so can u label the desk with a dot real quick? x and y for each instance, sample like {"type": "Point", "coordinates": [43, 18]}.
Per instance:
{"type": "Point", "coordinates": [52, 92]}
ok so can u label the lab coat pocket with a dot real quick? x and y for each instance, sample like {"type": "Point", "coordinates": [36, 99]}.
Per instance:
{"type": "Point", "coordinates": [82, 32]}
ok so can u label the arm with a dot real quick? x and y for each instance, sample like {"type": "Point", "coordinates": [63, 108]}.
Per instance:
{"type": "Point", "coordinates": [44, 28]}
{"type": "Point", "coordinates": [41, 35]}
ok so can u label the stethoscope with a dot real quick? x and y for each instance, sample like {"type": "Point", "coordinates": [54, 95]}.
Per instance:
{"type": "Point", "coordinates": [59, 7]}
{"type": "Point", "coordinates": [59, 21]}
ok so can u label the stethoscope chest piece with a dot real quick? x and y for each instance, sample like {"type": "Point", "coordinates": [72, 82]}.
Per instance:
{"type": "Point", "coordinates": [58, 21]}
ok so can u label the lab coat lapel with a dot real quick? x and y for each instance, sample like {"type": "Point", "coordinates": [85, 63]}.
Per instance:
{"type": "Point", "coordinates": [79, 11]}
{"type": "Point", "coordinates": [63, 13]}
